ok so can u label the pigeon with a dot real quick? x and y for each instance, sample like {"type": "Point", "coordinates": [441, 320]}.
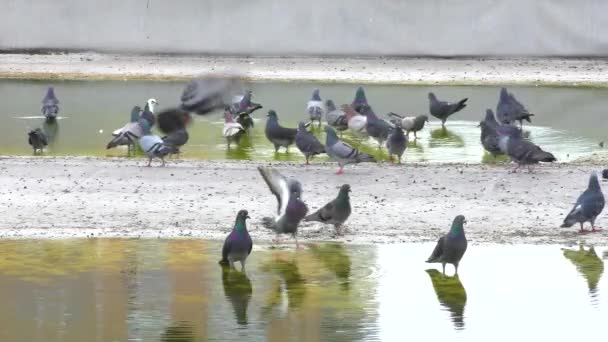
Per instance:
{"type": "Point", "coordinates": [451, 247]}
{"type": "Point", "coordinates": [335, 212]}
{"type": "Point", "coordinates": [342, 152]}
{"type": "Point", "coordinates": [307, 143]}
{"type": "Point", "coordinates": [232, 130]}
{"type": "Point", "coordinates": [409, 123]}
{"type": "Point", "coordinates": [588, 206]}
{"type": "Point", "coordinates": [442, 110]}
{"type": "Point", "coordinates": [148, 112]}
{"type": "Point", "coordinates": [357, 123]}
{"type": "Point", "coordinates": [376, 127]}
{"type": "Point", "coordinates": [238, 244]}
{"type": "Point", "coordinates": [153, 145]}
{"type": "Point", "coordinates": [336, 118]}
{"type": "Point", "coordinates": [396, 143]}
{"type": "Point", "coordinates": [605, 174]}
{"type": "Point", "coordinates": [204, 95]}
{"type": "Point", "coordinates": [243, 109]}
{"type": "Point", "coordinates": [173, 122]}
{"type": "Point", "coordinates": [509, 110]}
{"type": "Point", "coordinates": [50, 105]}
{"type": "Point", "coordinates": [521, 151]}
{"type": "Point", "coordinates": [359, 99]}
{"type": "Point", "coordinates": [38, 140]}
{"type": "Point", "coordinates": [489, 136]}
{"type": "Point", "coordinates": [278, 135]}
{"type": "Point", "coordinates": [291, 209]}
{"type": "Point", "coordinates": [129, 133]}
{"type": "Point", "coordinates": [315, 107]}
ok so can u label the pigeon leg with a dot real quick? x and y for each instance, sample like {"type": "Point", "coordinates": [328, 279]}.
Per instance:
{"type": "Point", "coordinates": [415, 137]}
{"type": "Point", "coordinates": [593, 229]}
{"type": "Point", "coordinates": [276, 148]}
{"type": "Point", "coordinates": [149, 162]}
{"type": "Point", "coordinates": [338, 229]}
{"type": "Point", "coordinates": [390, 157]}
{"type": "Point", "coordinates": [456, 268]}
{"type": "Point", "coordinates": [297, 243]}
{"type": "Point", "coordinates": [582, 229]}
{"type": "Point", "coordinates": [443, 266]}
{"type": "Point", "coordinates": [530, 169]}
{"type": "Point", "coordinates": [242, 265]}
{"type": "Point", "coordinates": [163, 160]}
{"type": "Point", "coordinates": [399, 162]}
{"type": "Point", "coordinates": [307, 157]}
{"type": "Point", "coordinates": [340, 171]}
{"type": "Point", "coordinates": [515, 169]}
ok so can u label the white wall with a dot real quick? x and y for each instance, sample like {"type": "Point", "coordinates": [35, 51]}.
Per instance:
{"type": "Point", "coordinates": [315, 27]}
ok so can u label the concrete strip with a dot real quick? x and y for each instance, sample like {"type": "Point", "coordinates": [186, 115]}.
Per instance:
{"type": "Point", "coordinates": [78, 197]}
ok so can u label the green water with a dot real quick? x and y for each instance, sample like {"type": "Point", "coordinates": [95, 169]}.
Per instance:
{"type": "Point", "coordinates": [174, 290]}
{"type": "Point", "coordinates": [568, 121]}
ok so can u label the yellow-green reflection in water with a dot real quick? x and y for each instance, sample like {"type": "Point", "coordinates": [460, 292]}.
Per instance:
{"type": "Point", "coordinates": [174, 290]}
{"type": "Point", "coordinates": [93, 109]}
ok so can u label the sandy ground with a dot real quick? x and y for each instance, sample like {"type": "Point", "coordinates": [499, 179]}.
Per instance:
{"type": "Point", "coordinates": [79, 197]}
{"type": "Point", "coordinates": [558, 72]}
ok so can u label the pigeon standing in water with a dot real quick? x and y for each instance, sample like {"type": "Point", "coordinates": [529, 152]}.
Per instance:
{"type": "Point", "coordinates": [342, 152]}
{"type": "Point", "coordinates": [509, 110]}
{"type": "Point", "coordinates": [357, 123]}
{"type": "Point", "coordinates": [38, 140]}
{"type": "Point", "coordinates": [315, 107]}
{"type": "Point", "coordinates": [232, 131]}
{"type": "Point", "coordinates": [396, 143]}
{"type": "Point", "coordinates": [359, 100]}
{"type": "Point", "coordinates": [129, 133]}
{"type": "Point", "coordinates": [376, 127]}
{"type": "Point", "coordinates": [238, 244]}
{"type": "Point", "coordinates": [443, 110]}
{"type": "Point", "coordinates": [587, 207]}
{"type": "Point", "coordinates": [243, 108]}
{"type": "Point", "coordinates": [409, 123]}
{"type": "Point", "coordinates": [335, 212]}
{"type": "Point", "coordinates": [489, 136]}
{"type": "Point", "coordinates": [50, 105]}
{"type": "Point", "coordinates": [307, 143]}
{"type": "Point", "coordinates": [153, 145]}
{"type": "Point", "coordinates": [451, 247]}
{"type": "Point", "coordinates": [521, 151]}
{"type": "Point", "coordinates": [278, 135]}
{"type": "Point", "coordinates": [291, 208]}
{"type": "Point", "coordinates": [173, 122]}
{"type": "Point", "coordinates": [336, 118]}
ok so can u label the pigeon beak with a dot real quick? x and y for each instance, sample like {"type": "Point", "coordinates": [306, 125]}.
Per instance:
{"type": "Point", "coordinates": [247, 217]}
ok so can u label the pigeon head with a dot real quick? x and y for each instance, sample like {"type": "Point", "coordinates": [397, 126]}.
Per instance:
{"type": "Point", "coordinates": [367, 110]}
{"type": "Point", "coordinates": [490, 118]}
{"type": "Point", "coordinates": [504, 95]}
{"type": "Point", "coordinates": [295, 188]}
{"type": "Point", "coordinates": [315, 95]}
{"type": "Point", "coordinates": [424, 118]}
{"type": "Point", "coordinates": [331, 138]}
{"type": "Point", "coordinates": [331, 106]}
{"type": "Point", "coordinates": [50, 97]}
{"type": "Point", "coordinates": [594, 183]}
{"type": "Point", "coordinates": [432, 97]}
{"type": "Point", "coordinates": [302, 126]}
{"type": "Point", "coordinates": [458, 225]}
{"type": "Point", "coordinates": [272, 115]}
{"type": "Point", "coordinates": [135, 112]}
{"type": "Point", "coordinates": [360, 98]}
{"type": "Point", "coordinates": [241, 219]}
{"type": "Point", "coordinates": [243, 214]}
{"type": "Point", "coordinates": [151, 104]}
{"type": "Point", "coordinates": [344, 190]}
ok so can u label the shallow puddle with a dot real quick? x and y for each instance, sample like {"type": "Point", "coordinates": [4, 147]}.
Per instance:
{"type": "Point", "coordinates": [174, 290]}
{"type": "Point", "coordinates": [566, 121]}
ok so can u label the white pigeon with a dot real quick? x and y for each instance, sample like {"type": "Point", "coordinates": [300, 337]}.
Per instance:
{"type": "Point", "coordinates": [357, 123]}
{"type": "Point", "coordinates": [232, 130]}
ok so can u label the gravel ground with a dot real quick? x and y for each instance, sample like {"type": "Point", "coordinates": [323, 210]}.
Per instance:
{"type": "Point", "coordinates": [77, 197]}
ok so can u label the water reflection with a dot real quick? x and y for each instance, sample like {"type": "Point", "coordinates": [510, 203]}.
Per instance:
{"type": "Point", "coordinates": [443, 137]}
{"type": "Point", "coordinates": [177, 333]}
{"type": "Point", "coordinates": [289, 290]}
{"type": "Point", "coordinates": [238, 291]}
{"type": "Point", "coordinates": [51, 130]}
{"type": "Point", "coordinates": [451, 295]}
{"type": "Point", "coordinates": [588, 264]}
{"type": "Point", "coordinates": [335, 258]}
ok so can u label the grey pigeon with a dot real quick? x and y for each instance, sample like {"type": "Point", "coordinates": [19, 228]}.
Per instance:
{"type": "Point", "coordinates": [232, 131]}
{"type": "Point", "coordinates": [129, 133]}
{"type": "Point", "coordinates": [443, 110]}
{"type": "Point", "coordinates": [489, 136]}
{"type": "Point", "coordinates": [408, 123]}
{"type": "Point", "coordinates": [50, 105]}
{"type": "Point", "coordinates": [291, 208]}
{"type": "Point", "coordinates": [204, 95]}
{"type": "Point", "coordinates": [509, 110]}
{"type": "Point", "coordinates": [396, 143]}
{"type": "Point", "coordinates": [238, 244]}
{"type": "Point", "coordinates": [359, 100]}
{"type": "Point", "coordinates": [335, 117]}
{"type": "Point", "coordinates": [173, 122]}
{"type": "Point", "coordinates": [520, 150]}
{"type": "Point", "coordinates": [153, 145]}
{"type": "Point", "coordinates": [307, 143]}
{"type": "Point", "coordinates": [315, 107]}
{"type": "Point", "coordinates": [588, 206]}
{"type": "Point", "coordinates": [278, 135]}
{"type": "Point", "coordinates": [605, 174]}
{"type": "Point", "coordinates": [451, 247]}
{"type": "Point", "coordinates": [376, 127]}
{"type": "Point", "coordinates": [38, 140]}
{"type": "Point", "coordinates": [243, 109]}
{"type": "Point", "coordinates": [342, 152]}
{"type": "Point", "coordinates": [335, 212]}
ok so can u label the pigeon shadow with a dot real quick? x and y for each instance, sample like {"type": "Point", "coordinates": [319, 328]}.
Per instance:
{"type": "Point", "coordinates": [442, 137]}
{"type": "Point", "coordinates": [238, 291]}
{"type": "Point", "coordinates": [588, 264]}
{"type": "Point", "coordinates": [451, 295]}
{"type": "Point", "coordinates": [334, 257]}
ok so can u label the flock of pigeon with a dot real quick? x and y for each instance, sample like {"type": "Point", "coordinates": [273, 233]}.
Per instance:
{"type": "Point", "coordinates": [499, 135]}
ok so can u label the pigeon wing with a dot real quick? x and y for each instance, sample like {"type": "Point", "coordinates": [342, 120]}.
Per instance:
{"type": "Point", "coordinates": [278, 185]}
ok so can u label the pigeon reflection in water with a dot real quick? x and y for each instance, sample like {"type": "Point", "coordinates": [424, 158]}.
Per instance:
{"type": "Point", "coordinates": [238, 291]}
{"type": "Point", "coordinates": [334, 257]}
{"type": "Point", "coordinates": [290, 292]}
{"type": "Point", "coordinates": [178, 332]}
{"type": "Point", "coordinates": [451, 295]}
{"type": "Point", "coordinates": [588, 264]}
{"type": "Point", "coordinates": [443, 137]}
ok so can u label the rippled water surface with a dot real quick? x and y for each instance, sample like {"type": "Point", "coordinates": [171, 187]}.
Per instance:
{"type": "Point", "coordinates": [174, 290]}
{"type": "Point", "coordinates": [569, 121]}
